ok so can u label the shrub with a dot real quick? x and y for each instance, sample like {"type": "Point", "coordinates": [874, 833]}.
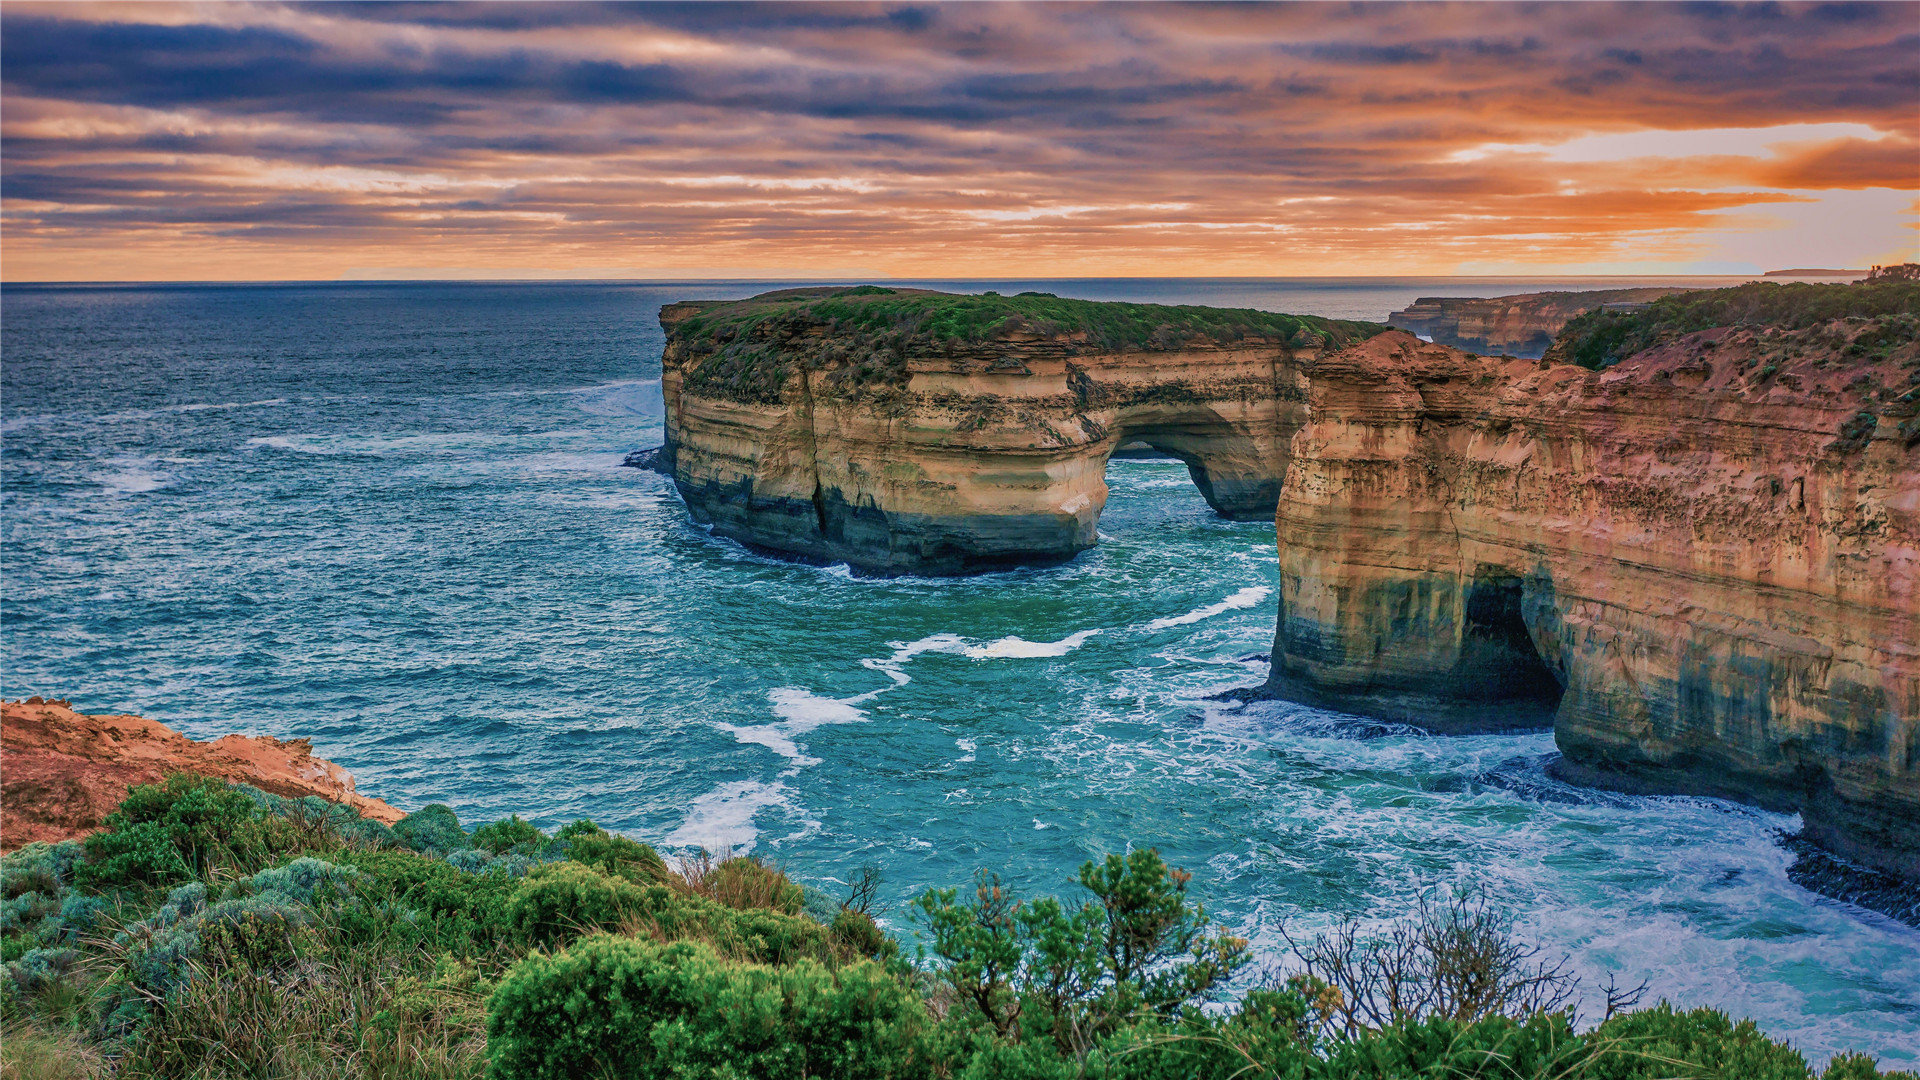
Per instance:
{"type": "Point", "coordinates": [564, 900]}
{"type": "Point", "coordinates": [857, 932]}
{"type": "Point", "coordinates": [180, 829]}
{"type": "Point", "coordinates": [1458, 961]}
{"type": "Point", "coordinates": [1663, 1041]}
{"type": "Point", "coordinates": [1077, 974]}
{"type": "Point", "coordinates": [187, 935]}
{"type": "Point", "coordinates": [24, 912]}
{"type": "Point", "coordinates": [590, 844]}
{"type": "Point", "coordinates": [301, 880]}
{"type": "Point", "coordinates": [433, 829]}
{"type": "Point", "coordinates": [637, 1009]}
{"type": "Point", "coordinates": [510, 836]}
{"type": "Point", "coordinates": [453, 911]}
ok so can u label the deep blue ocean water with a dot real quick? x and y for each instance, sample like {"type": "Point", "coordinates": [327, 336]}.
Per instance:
{"type": "Point", "coordinates": [390, 518]}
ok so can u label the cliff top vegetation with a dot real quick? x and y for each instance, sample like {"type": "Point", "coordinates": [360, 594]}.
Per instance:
{"type": "Point", "coordinates": [213, 930]}
{"type": "Point", "coordinates": [1602, 338]}
{"type": "Point", "coordinates": [744, 350]}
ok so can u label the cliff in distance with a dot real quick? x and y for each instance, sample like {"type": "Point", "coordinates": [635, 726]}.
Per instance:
{"type": "Point", "coordinates": [1699, 563]}
{"type": "Point", "coordinates": [66, 771]}
{"type": "Point", "coordinates": [1522, 325]}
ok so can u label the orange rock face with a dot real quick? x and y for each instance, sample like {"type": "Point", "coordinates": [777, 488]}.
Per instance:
{"type": "Point", "coordinates": [63, 772]}
{"type": "Point", "coordinates": [1702, 564]}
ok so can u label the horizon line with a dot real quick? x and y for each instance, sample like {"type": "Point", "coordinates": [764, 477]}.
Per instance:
{"type": "Point", "coordinates": [779, 279]}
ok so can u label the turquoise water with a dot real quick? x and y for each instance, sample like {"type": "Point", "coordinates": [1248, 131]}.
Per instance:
{"type": "Point", "coordinates": [391, 519]}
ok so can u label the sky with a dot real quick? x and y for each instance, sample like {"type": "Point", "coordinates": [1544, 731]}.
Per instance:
{"type": "Point", "coordinates": [249, 141]}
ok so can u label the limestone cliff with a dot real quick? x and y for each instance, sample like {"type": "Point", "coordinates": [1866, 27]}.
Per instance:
{"type": "Point", "coordinates": [1522, 325]}
{"type": "Point", "coordinates": [65, 771]}
{"type": "Point", "coordinates": [1712, 547]}
{"type": "Point", "coordinates": [1698, 564]}
{"type": "Point", "coordinates": [903, 431]}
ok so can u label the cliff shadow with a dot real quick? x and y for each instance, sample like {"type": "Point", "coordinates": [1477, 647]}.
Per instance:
{"type": "Point", "coordinates": [1446, 654]}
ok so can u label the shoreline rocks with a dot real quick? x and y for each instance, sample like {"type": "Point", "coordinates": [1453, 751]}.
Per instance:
{"type": "Point", "coordinates": [65, 771]}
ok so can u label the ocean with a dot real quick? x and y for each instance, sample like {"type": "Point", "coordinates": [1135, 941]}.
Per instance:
{"type": "Point", "coordinates": [391, 518]}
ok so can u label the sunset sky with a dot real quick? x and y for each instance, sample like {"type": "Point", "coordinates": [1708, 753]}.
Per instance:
{"type": "Point", "coordinates": [269, 141]}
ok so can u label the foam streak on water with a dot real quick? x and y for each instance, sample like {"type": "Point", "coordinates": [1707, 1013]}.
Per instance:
{"type": "Point", "coordinates": [391, 519]}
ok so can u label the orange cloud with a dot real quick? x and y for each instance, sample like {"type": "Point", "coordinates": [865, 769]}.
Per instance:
{"type": "Point", "coordinates": [241, 141]}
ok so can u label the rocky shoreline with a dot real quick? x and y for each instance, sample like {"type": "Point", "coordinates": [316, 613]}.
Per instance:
{"type": "Point", "coordinates": [66, 770]}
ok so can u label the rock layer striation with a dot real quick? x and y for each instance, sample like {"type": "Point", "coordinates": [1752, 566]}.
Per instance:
{"type": "Point", "coordinates": [1701, 563]}
{"type": "Point", "coordinates": [1522, 325]}
{"type": "Point", "coordinates": [906, 450]}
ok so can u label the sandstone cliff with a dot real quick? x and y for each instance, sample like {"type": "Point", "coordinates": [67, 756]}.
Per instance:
{"type": "Point", "coordinates": [1522, 325]}
{"type": "Point", "coordinates": [904, 431]}
{"type": "Point", "coordinates": [64, 771]}
{"type": "Point", "coordinates": [1713, 547]}
{"type": "Point", "coordinates": [1698, 564]}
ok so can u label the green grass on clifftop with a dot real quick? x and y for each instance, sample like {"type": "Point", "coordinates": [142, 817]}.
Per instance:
{"type": "Point", "coordinates": [744, 350]}
{"type": "Point", "coordinates": [1601, 338]}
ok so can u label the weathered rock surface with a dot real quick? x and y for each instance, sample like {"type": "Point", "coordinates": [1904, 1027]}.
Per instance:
{"type": "Point", "coordinates": [1699, 565]}
{"type": "Point", "coordinates": [1702, 563]}
{"type": "Point", "coordinates": [1522, 325]}
{"type": "Point", "coordinates": [64, 771]}
{"type": "Point", "coordinates": [975, 454]}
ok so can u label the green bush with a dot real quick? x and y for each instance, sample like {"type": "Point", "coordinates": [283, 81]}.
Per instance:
{"type": "Point", "coordinates": [1079, 973]}
{"type": "Point", "coordinates": [590, 844]}
{"type": "Point", "coordinates": [180, 829]}
{"type": "Point", "coordinates": [451, 910]}
{"type": "Point", "coordinates": [1655, 1043]}
{"type": "Point", "coordinates": [636, 1009]}
{"type": "Point", "coordinates": [433, 829]}
{"type": "Point", "coordinates": [561, 901]}
{"type": "Point", "coordinates": [510, 836]}
{"type": "Point", "coordinates": [187, 936]}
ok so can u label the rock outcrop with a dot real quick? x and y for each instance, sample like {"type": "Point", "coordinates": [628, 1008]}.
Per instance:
{"type": "Point", "coordinates": [864, 426]}
{"type": "Point", "coordinates": [65, 771]}
{"type": "Point", "coordinates": [1522, 325]}
{"type": "Point", "coordinates": [1702, 563]}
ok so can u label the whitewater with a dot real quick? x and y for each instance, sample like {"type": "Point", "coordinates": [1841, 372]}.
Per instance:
{"type": "Point", "coordinates": [392, 519]}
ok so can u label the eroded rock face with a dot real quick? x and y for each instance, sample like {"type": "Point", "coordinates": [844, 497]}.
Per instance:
{"type": "Point", "coordinates": [1522, 325]}
{"type": "Point", "coordinates": [66, 771]}
{"type": "Point", "coordinates": [1713, 555]}
{"type": "Point", "coordinates": [983, 455]}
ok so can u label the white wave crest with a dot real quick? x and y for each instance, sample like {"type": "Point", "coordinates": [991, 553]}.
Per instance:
{"type": "Point", "coordinates": [800, 711]}
{"type": "Point", "coordinates": [1245, 598]}
{"type": "Point", "coordinates": [724, 819]}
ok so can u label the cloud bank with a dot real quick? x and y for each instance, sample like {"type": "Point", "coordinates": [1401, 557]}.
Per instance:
{"type": "Point", "coordinates": [143, 141]}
